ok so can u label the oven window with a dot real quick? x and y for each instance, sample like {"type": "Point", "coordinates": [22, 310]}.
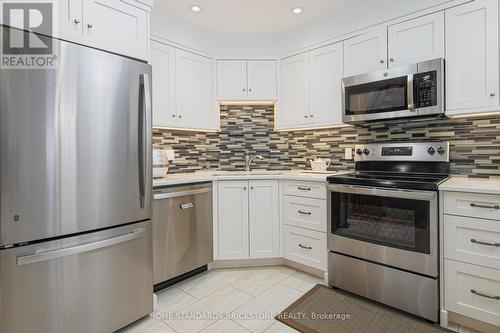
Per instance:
{"type": "Point", "coordinates": [393, 222]}
{"type": "Point", "coordinates": [377, 97]}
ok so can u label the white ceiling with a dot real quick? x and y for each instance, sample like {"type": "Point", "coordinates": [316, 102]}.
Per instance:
{"type": "Point", "coordinates": [249, 16]}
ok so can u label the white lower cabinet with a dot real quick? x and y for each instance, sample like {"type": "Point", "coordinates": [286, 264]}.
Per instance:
{"type": "Point", "coordinates": [248, 219]}
{"type": "Point", "coordinates": [233, 219]}
{"type": "Point", "coordinates": [305, 247]}
{"type": "Point", "coordinates": [264, 219]}
{"type": "Point", "coordinates": [473, 291]}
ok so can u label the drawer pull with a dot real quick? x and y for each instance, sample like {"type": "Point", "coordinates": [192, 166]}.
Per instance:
{"type": "Point", "coordinates": [305, 247]}
{"type": "Point", "coordinates": [304, 213]}
{"type": "Point", "coordinates": [304, 188]}
{"type": "Point", "coordinates": [484, 295]}
{"type": "Point", "coordinates": [484, 243]}
{"type": "Point", "coordinates": [484, 206]}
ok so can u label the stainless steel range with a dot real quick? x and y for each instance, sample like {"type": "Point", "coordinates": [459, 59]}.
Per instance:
{"type": "Point", "coordinates": [383, 225]}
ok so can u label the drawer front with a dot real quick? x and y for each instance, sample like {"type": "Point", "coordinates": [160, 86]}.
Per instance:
{"type": "Point", "coordinates": [471, 240]}
{"type": "Point", "coordinates": [486, 206]}
{"type": "Point", "coordinates": [305, 189]}
{"type": "Point", "coordinates": [305, 212]}
{"type": "Point", "coordinates": [472, 291]}
{"type": "Point", "coordinates": [305, 247]}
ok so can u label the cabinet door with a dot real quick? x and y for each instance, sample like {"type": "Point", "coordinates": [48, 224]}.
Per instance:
{"type": "Point", "coordinates": [326, 65]}
{"type": "Point", "coordinates": [70, 20]}
{"type": "Point", "coordinates": [293, 110]}
{"type": "Point", "coordinates": [163, 62]}
{"type": "Point", "coordinates": [365, 53]}
{"type": "Point", "coordinates": [262, 77]}
{"type": "Point", "coordinates": [195, 93]}
{"type": "Point", "coordinates": [233, 220]}
{"type": "Point", "coordinates": [416, 40]}
{"type": "Point", "coordinates": [472, 55]}
{"type": "Point", "coordinates": [232, 79]}
{"type": "Point", "coordinates": [264, 219]}
{"type": "Point", "coordinates": [116, 26]}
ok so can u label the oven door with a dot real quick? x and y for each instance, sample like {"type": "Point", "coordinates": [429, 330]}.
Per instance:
{"type": "Point", "coordinates": [397, 228]}
{"type": "Point", "coordinates": [379, 95]}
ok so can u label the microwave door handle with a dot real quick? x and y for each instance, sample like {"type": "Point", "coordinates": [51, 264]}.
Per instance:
{"type": "Point", "coordinates": [410, 97]}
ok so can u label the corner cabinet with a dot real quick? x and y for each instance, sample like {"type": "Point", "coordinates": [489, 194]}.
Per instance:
{"type": "Point", "coordinates": [248, 223]}
{"type": "Point", "coordinates": [311, 94]}
{"type": "Point", "coordinates": [472, 78]}
{"type": "Point", "coordinates": [183, 89]}
{"type": "Point", "coordinates": [246, 80]}
{"type": "Point", "coordinates": [112, 25]}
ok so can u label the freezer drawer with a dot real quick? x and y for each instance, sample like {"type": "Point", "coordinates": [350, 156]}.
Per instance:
{"type": "Point", "coordinates": [182, 230]}
{"type": "Point", "coordinates": [97, 282]}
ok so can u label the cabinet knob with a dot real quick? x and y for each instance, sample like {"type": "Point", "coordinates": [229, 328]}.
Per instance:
{"type": "Point", "coordinates": [250, 90]}
{"type": "Point", "coordinates": [173, 116]}
{"type": "Point", "coordinates": [312, 116]}
{"type": "Point", "coordinates": [391, 59]}
{"type": "Point", "coordinates": [179, 116]}
{"type": "Point", "coordinates": [244, 90]}
{"type": "Point", "coordinates": [382, 61]}
{"type": "Point", "coordinates": [90, 26]}
{"type": "Point", "coordinates": [244, 188]}
{"type": "Point", "coordinates": [306, 116]}
{"type": "Point", "coordinates": [251, 188]}
{"type": "Point", "coordinates": [77, 21]}
{"type": "Point", "coordinates": [493, 94]}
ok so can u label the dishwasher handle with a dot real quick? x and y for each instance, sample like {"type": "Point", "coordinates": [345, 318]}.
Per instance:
{"type": "Point", "coordinates": [159, 196]}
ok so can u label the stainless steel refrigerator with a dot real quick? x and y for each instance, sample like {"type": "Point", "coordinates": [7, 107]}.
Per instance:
{"type": "Point", "coordinates": [75, 201]}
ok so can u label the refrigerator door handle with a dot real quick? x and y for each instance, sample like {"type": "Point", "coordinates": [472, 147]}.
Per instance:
{"type": "Point", "coordinates": [145, 129]}
{"type": "Point", "coordinates": [50, 255]}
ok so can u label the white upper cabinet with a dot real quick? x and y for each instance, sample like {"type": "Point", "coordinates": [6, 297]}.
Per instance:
{"type": "Point", "coordinates": [195, 91]}
{"type": "Point", "coordinates": [163, 62]}
{"type": "Point", "coordinates": [326, 72]}
{"type": "Point", "coordinates": [264, 219]}
{"type": "Point", "coordinates": [472, 55]}
{"type": "Point", "coordinates": [112, 25]}
{"type": "Point", "coordinates": [416, 40]}
{"type": "Point", "coordinates": [232, 79]}
{"type": "Point", "coordinates": [70, 17]}
{"type": "Point", "coordinates": [116, 26]}
{"type": "Point", "coordinates": [262, 79]}
{"type": "Point", "coordinates": [246, 79]}
{"type": "Point", "coordinates": [293, 110]}
{"type": "Point", "coordinates": [365, 53]}
{"type": "Point", "coordinates": [233, 220]}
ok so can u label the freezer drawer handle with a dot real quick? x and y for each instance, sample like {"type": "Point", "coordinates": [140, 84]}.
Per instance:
{"type": "Point", "coordinates": [180, 194]}
{"type": "Point", "coordinates": [45, 256]}
{"type": "Point", "coordinates": [484, 206]}
{"type": "Point", "coordinates": [484, 295]}
{"type": "Point", "coordinates": [484, 243]}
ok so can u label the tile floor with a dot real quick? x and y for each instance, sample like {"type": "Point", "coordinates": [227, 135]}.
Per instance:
{"type": "Point", "coordinates": [250, 297]}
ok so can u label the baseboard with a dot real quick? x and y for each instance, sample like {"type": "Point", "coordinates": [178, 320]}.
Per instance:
{"type": "Point", "coordinates": [466, 322]}
{"type": "Point", "coordinates": [241, 263]}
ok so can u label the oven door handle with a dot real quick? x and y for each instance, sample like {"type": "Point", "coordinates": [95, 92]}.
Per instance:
{"type": "Point", "coordinates": [390, 193]}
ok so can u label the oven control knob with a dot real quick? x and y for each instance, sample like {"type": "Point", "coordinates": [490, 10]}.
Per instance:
{"type": "Point", "coordinates": [366, 152]}
{"type": "Point", "coordinates": [441, 151]}
{"type": "Point", "coordinates": [359, 151]}
{"type": "Point", "coordinates": [431, 151]}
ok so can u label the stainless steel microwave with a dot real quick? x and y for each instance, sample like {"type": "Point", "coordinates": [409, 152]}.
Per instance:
{"type": "Point", "coordinates": [408, 91]}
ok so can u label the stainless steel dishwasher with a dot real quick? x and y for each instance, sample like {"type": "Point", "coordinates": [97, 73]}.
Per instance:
{"type": "Point", "coordinates": [182, 230]}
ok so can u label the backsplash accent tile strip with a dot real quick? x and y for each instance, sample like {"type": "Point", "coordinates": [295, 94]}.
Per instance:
{"type": "Point", "coordinates": [475, 142]}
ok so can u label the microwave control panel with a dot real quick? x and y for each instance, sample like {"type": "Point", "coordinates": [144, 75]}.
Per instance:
{"type": "Point", "coordinates": [425, 89]}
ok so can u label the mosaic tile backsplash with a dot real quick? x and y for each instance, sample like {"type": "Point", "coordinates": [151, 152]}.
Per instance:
{"type": "Point", "coordinates": [475, 142]}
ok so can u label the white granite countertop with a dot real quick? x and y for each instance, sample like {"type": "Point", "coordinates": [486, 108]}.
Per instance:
{"type": "Point", "coordinates": [471, 185]}
{"type": "Point", "coordinates": [203, 176]}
